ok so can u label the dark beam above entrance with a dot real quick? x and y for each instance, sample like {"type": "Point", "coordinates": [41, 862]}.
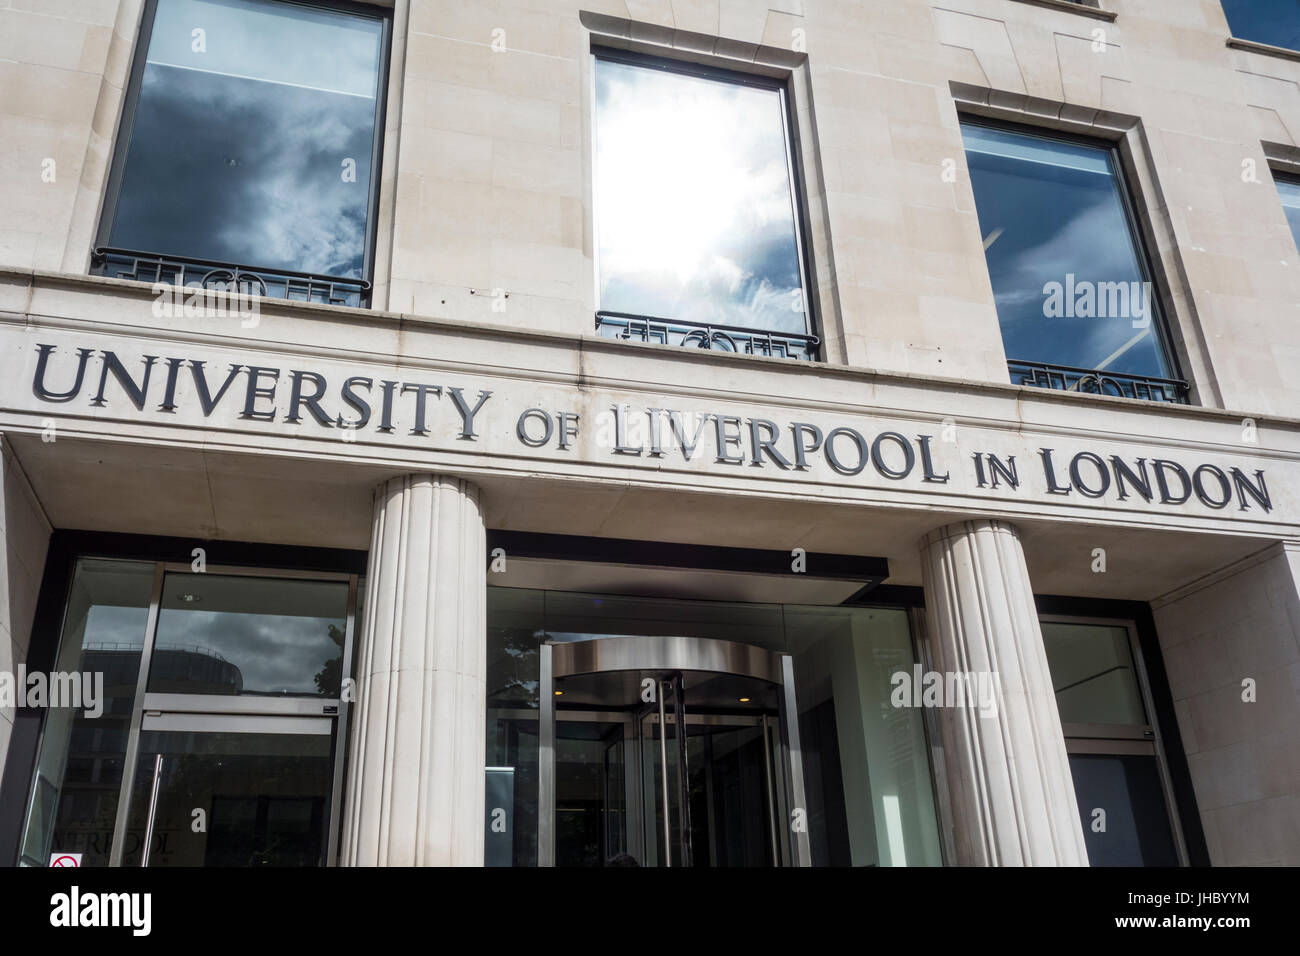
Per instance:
{"type": "Point", "coordinates": [867, 570]}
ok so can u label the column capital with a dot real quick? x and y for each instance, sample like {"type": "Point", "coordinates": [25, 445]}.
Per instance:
{"type": "Point", "coordinates": [969, 526]}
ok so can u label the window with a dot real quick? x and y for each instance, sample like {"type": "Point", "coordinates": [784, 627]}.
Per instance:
{"type": "Point", "coordinates": [1119, 781]}
{"type": "Point", "coordinates": [1288, 188]}
{"type": "Point", "coordinates": [220, 691]}
{"type": "Point", "coordinates": [1274, 22]}
{"type": "Point", "coordinates": [696, 217]}
{"type": "Point", "coordinates": [1073, 290]}
{"type": "Point", "coordinates": [248, 150]}
{"type": "Point", "coordinates": [79, 773]}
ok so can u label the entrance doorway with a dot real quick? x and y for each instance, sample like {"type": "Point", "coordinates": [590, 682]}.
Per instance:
{"type": "Point", "coordinates": [669, 751]}
{"type": "Point", "coordinates": [223, 719]}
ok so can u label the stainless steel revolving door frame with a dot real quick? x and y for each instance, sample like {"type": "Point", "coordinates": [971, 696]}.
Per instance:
{"type": "Point", "coordinates": [668, 658]}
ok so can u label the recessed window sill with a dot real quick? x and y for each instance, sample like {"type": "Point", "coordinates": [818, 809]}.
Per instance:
{"type": "Point", "coordinates": [1095, 12]}
{"type": "Point", "coordinates": [1264, 48]}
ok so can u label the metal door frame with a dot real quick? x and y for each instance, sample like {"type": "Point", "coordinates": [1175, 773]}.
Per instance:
{"type": "Point", "coordinates": [258, 714]}
{"type": "Point", "coordinates": [670, 653]}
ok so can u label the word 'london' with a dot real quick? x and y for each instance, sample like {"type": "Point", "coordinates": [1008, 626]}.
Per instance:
{"type": "Point", "coordinates": [736, 440]}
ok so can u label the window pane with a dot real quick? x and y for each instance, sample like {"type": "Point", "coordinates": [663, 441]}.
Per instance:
{"type": "Point", "coordinates": [1092, 671]}
{"type": "Point", "coordinates": [695, 215]}
{"type": "Point", "coordinates": [514, 634]}
{"type": "Point", "coordinates": [232, 634]}
{"type": "Point", "coordinates": [265, 799]}
{"type": "Point", "coordinates": [1137, 829]}
{"type": "Point", "coordinates": [866, 766]}
{"type": "Point", "coordinates": [1275, 22]}
{"type": "Point", "coordinates": [1289, 191]}
{"type": "Point", "coordinates": [1066, 273]}
{"type": "Point", "coordinates": [79, 773]}
{"type": "Point", "coordinates": [248, 116]}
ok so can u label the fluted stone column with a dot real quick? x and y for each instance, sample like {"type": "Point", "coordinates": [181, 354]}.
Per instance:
{"type": "Point", "coordinates": [1008, 775]}
{"type": "Point", "coordinates": [416, 758]}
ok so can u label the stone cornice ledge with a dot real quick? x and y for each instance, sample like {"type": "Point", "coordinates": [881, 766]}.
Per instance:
{"type": "Point", "coordinates": [90, 284]}
{"type": "Point", "coordinates": [1265, 48]}
{"type": "Point", "coordinates": [1064, 5]}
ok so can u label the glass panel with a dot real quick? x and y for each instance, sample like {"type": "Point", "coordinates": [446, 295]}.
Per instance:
{"type": "Point", "coordinates": [730, 818]}
{"type": "Point", "coordinates": [866, 765]}
{"type": "Point", "coordinates": [695, 211]}
{"type": "Point", "coordinates": [866, 768]}
{"type": "Point", "coordinates": [616, 816]}
{"type": "Point", "coordinates": [652, 756]}
{"type": "Point", "coordinates": [1136, 830]}
{"type": "Point", "coordinates": [250, 636]}
{"type": "Point", "coordinates": [79, 771]}
{"type": "Point", "coordinates": [514, 632]}
{"type": "Point", "coordinates": [1275, 22]}
{"type": "Point", "coordinates": [1289, 191]}
{"type": "Point", "coordinates": [1066, 271]}
{"type": "Point", "coordinates": [264, 799]}
{"type": "Point", "coordinates": [269, 106]}
{"type": "Point", "coordinates": [589, 761]}
{"type": "Point", "coordinates": [1093, 673]}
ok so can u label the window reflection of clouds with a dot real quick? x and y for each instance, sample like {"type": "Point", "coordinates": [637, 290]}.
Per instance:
{"type": "Point", "coordinates": [275, 631]}
{"type": "Point", "coordinates": [110, 624]}
{"type": "Point", "coordinates": [694, 200]}
{"type": "Point", "coordinates": [1057, 211]}
{"type": "Point", "coordinates": [273, 652]}
{"type": "Point", "coordinates": [238, 168]}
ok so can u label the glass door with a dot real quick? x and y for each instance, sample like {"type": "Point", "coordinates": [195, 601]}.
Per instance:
{"type": "Point", "coordinates": [725, 806]}
{"type": "Point", "coordinates": [220, 741]}
{"type": "Point", "coordinates": [231, 791]}
{"type": "Point", "coordinates": [591, 797]}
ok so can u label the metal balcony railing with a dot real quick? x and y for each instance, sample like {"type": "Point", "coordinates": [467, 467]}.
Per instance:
{"type": "Point", "coordinates": [1067, 378]}
{"type": "Point", "coordinates": [726, 338]}
{"type": "Point", "coordinates": [230, 277]}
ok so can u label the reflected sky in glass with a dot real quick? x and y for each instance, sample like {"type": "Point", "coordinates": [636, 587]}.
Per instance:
{"type": "Point", "coordinates": [280, 634]}
{"type": "Point", "coordinates": [1275, 22]}
{"type": "Point", "coordinates": [693, 197]}
{"type": "Point", "coordinates": [1047, 210]}
{"type": "Point", "coordinates": [237, 149]}
{"type": "Point", "coordinates": [1289, 191]}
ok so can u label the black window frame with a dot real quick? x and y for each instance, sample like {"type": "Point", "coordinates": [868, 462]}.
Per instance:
{"type": "Point", "coordinates": [1068, 378]}
{"type": "Point", "coordinates": [647, 328]}
{"type": "Point", "coordinates": [161, 266]}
